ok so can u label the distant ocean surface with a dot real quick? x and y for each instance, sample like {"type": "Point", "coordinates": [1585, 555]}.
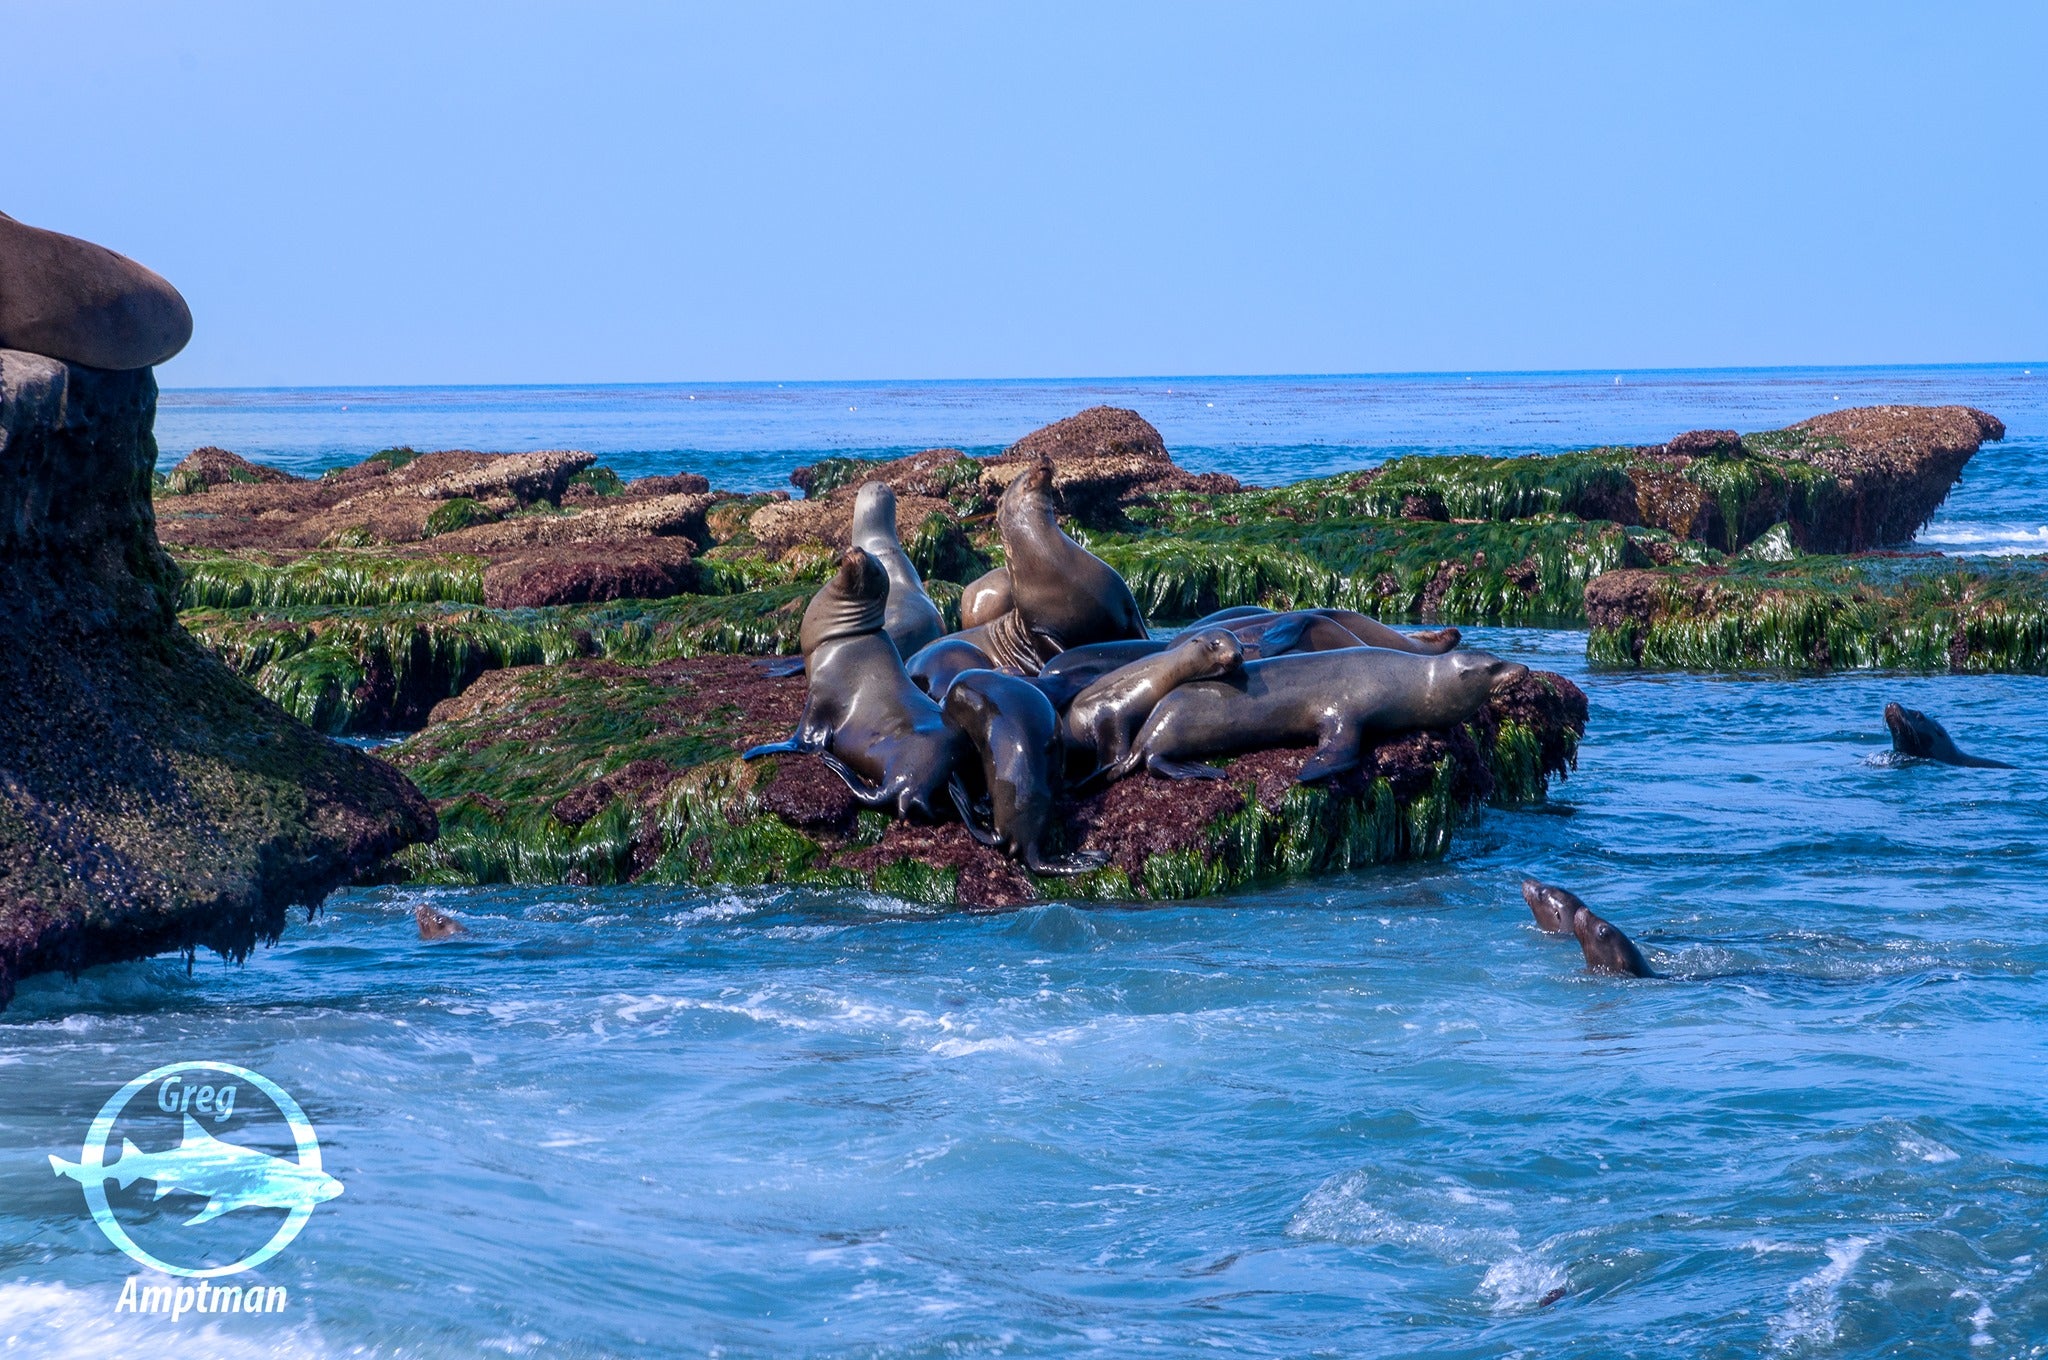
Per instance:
{"type": "Point", "coordinates": [1371, 1115]}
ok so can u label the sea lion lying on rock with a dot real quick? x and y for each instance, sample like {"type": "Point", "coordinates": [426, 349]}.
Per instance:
{"type": "Point", "coordinates": [1017, 735]}
{"type": "Point", "coordinates": [911, 620]}
{"type": "Point", "coordinates": [1337, 699]}
{"type": "Point", "coordinates": [862, 715]}
{"type": "Point", "coordinates": [1063, 596]}
{"type": "Point", "coordinates": [72, 300]}
{"type": "Point", "coordinates": [1368, 630]}
{"type": "Point", "coordinates": [1916, 734]}
{"type": "Point", "coordinates": [1074, 670]}
{"type": "Point", "coordinates": [1103, 718]}
{"type": "Point", "coordinates": [1298, 630]}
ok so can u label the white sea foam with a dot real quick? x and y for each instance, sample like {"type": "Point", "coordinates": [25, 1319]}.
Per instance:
{"type": "Point", "coordinates": [1926, 1149]}
{"type": "Point", "coordinates": [1984, 540]}
{"type": "Point", "coordinates": [1981, 1320]}
{"type": "Point", "coordinates": [1340, 1210]}
{"type": "Point", "coordinates": [60, 1321]}
{"type": "Point", "coordinates": [1814, 1317]}
{"type": "Point", "coordinates": [1521, 1281]}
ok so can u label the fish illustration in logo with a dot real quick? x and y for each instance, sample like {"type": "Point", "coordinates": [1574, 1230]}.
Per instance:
{"type": "Point", "coordinates": [230, 1176]}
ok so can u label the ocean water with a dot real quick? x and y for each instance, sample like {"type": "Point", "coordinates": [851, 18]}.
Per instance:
{"type": "Point", "coordinates": [1377, 1114]}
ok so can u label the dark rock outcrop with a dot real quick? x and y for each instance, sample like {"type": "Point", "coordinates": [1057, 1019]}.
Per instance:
{"type": "Point", "coordinates": [82, 303]}
{"type": "Point", "coordinates": [149, 800]}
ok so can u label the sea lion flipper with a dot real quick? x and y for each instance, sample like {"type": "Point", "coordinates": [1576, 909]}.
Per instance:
{"type": "Point", "coordinates": [1076, 862]}
{"type": "Point", "coordinates": [781, 668]}
{"type": "Point", "coordinates": [787, 746]}
{"type": "Point", "coordinates": [1181, 769]}
{"type": "Point", "coordinates": [866, 794]}
{"type": "Point", "coordinates": [1339, 752]}
{"type": "Point", "coordinates": [965, 804]}
{"type": "Point", "coordinates": [1282, 636]}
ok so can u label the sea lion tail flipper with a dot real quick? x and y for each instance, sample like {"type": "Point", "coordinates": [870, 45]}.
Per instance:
{"type": "Point", "coordinates": [1181, 769]}
{"type": "Point", "coordinates": [781, 667]}
{"type": "Point", "coordinates": [1338, 752]}
{"type": "Point", "coordinates": [965, 804]}
{"type": "Point", "coordinates": [773, 748]}
{"type": "Point", "coordinates": [1282, 637]}
{"type": "Point", "coordinates": [1062, 866]}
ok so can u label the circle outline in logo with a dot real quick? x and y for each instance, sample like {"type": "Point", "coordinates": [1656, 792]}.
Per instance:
{"type": "Point", "coordinates": [92, 1156]}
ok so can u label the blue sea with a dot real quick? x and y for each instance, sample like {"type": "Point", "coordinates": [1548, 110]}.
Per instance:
{"type": "Point", "coordinates": [1370, 1115]}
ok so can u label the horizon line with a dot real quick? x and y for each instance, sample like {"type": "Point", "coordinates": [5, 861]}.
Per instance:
{"type": "Point", "coordinates": [1469, 373]}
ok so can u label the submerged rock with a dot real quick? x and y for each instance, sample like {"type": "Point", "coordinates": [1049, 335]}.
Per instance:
{"type": "Point", "coordinates": [149, 799]}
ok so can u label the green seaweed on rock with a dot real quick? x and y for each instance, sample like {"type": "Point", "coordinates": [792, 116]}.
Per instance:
{"type": "Point", "coordinates": [240, 579]}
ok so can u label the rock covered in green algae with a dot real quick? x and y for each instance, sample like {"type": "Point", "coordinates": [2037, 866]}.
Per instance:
{"type": "Point", "coordinates": [149, 800]}
{"type": "Point", "coordinates": [593, 772]}
{"type": "Point", "coordinates": [1814, 614]}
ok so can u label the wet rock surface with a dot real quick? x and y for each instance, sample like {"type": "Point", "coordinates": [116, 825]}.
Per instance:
{"type": "Point", "coordinates": [149, 799]}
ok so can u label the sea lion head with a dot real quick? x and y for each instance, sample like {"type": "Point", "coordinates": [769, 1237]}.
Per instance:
{"type": "Point", "coordinates": [1911, 734]}
{"type": "Point", "coordinates": [1606, 948]}
{"type": "Point", "coordinates": [1554, 909]}
{"type": "Point", "coordinates": [1218, 651]}
{"type": "Point", "coordinates": [1030, 490]}
{"type": "Point", "coordinates": [1475, 677]}
{"type": "Point", "coordinates": [874, 513]}
{"type": "Point", "coordinates": [851, 602]}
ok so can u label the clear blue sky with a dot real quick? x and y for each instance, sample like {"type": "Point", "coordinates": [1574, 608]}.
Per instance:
{"type": "Point", "coordinates": [428, 193]}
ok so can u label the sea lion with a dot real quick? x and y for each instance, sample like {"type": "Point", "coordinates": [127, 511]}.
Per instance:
{"type": "Point", "coordinates": [1017, 734]}
{"type": "Point", "coordinates": [1336, 699]}
{"type": "Point", "coordinates": [862, 716]}
{"type": "Point", "coordinates": [985, 599]}
{"type": "Point", "coordinates": [1063, 595]}
{"type": "Point", "coordinates": [911, 620]}
{"type": "Point", "coordinates": [1105, 716]}
{"type": "Point", "coordinates": [82, 303]}
{"type": "Point", "coordinates": [1916, 734]}
{"type": "Point", "coordinates": [1299, 630]}
{"type": "Point", "coordinates": [435, 925]}
{"type": "Point", "coordinates": [933, 666]}
{"type": "Point", "coordinates": [1553, 907]}
{"type": "Point", "coordinates": [1607, 950]}
{"type": "Point", "coordinates": [1368, 630]}
{"type": "Point", "coordinates": [1075, 669]}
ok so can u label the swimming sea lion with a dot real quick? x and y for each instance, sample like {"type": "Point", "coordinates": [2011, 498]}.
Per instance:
{"type": "Point", "coordinates": [1337, 699]}
{"type": "Point", "coordinates": [82, 303]}
{"type": "Point", "coordinates": [1916, 734]}
{"type": "Point", "coordinates": [863, 716]}
{"type": "Point", "coordinates": [1607, 949]}
{"type": "Point", "coordinates": [985, 599]}
{"type": "Point", "coordinates": [1075, 669]}
{"type": "Point", "coordinates": [1017, 734]}
{"type": "Point", "coordinates": [1553, 907]}
{"type": "Point", "coordinates": [911, 619]}
{"type": "Point", "coordinates": [933, 666]}
{"type": "Point", "coordinates": [1105, 716]}
{"type": "Point", "coordinates": [435, 925]}
{"type": "Point", "coordinates": [1063, 595]}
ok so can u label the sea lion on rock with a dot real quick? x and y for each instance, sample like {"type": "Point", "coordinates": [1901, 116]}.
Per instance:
{"type": "Point", "coordinates": [1296, 631]}
{"type": "Point", "coordinates": [1063, 595]}
{"type": "Point", "coordinates": [1368, 630]}
{"type": "Point", "coordinates": [1105, 716]}
{"type": "Point", "coordinates": [882, 734]}
{"type": "Point", "coordinates": [1013, 727]}
{"type": "Point", "coordinates": [1553, 907]}
{"type": "Point", "coordinates": [911, 620]}
{"type": "Point", "coordinates": [1916, 734]}
{"type": "Point", "coordinates": [1075, 669]}
{"type": "Point", "coordinates": [1607, 950]}
{"type": "Point", "coordinates": [1336, 699]}
{"type": "Point", "coordinates": [933, 666]}
{"type": "Point", "coordinates": [72, 300]}
{"type": "Point", "coordinates": [434, 925]}
{"type": "Point", "coordinates": [985, 599]}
